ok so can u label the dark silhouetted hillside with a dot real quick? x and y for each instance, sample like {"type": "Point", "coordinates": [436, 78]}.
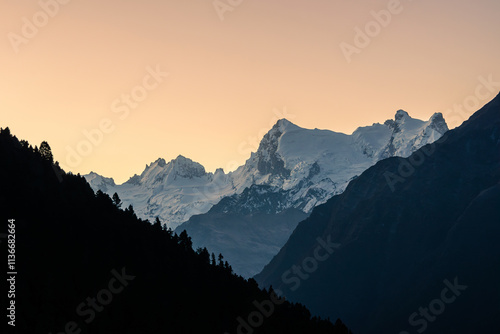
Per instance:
{"type": "Point", "coordinates": [84, 264]}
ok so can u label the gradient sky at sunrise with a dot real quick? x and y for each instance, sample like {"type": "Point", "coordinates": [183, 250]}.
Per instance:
{"type": "Point", "coordinates": [230, 80]}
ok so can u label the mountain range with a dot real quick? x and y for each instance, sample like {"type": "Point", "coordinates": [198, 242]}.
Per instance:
{"type": "Point", "coordinates": [78, 263]}
{"type": "Point", "coordinates": [411, 245]}
{"type": "Point", "coordinates": [408, 245]}
{"type": "Point", "coordinates": [248, 214]}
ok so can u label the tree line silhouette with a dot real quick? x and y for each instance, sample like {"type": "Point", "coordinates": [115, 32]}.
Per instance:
{"type": "Point", "coordinates": [70, 239]}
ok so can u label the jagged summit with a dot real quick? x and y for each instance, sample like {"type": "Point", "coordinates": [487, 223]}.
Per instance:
{"type": "Point", "coordinates": [401, 114]}
{"type": "Point", "coordinates": [284, 125]}
{"type": "Point", "coordinates": [161, 162]}
{"type": "Point", "coordinates": [268, 161]}
{"type": "Point", "coordinates": [180, 157]}
{"type": "Point", "coordinates": [293, 170]}
{"type": "Point", "coordinates": [100, 182]}
{"type": "Point", "coordinates": [438, 123]}
{"type": "Point", "coordinates": [439, 218]}
{"type": "Point", "coordinates": [437, 115]}
{"type": "Point", "coordinates": [185, 167]}
{"type": "Point", "coordinates": [400, 117]}
{"type": "Point", "coordinates": [94, 174]}
{"type": "Point", "coordinates": [307, 165]}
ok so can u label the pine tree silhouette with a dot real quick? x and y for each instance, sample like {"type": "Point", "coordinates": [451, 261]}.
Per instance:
{"type": "Point", "coordinates": [185, 241]}
{"type": "Point", "coordinates": [116, 200]}
{"type": "Point", "coordinates": [157, 224]}
{"type": "Point", "coordinates": [46, 152]}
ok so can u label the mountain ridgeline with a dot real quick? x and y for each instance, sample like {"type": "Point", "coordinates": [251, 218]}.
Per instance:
{"type": "Point", "coordinates": [302, 167]}
{"type": "Point", "coordinates": [249, 214]}
{"type": "Point", "coordinates": [413, 242]}
{"type": "Point", "coordinates": [87, 266]}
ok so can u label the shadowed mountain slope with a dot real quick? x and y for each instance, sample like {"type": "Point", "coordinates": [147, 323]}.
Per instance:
{"type": "Point", "coordinates": [404, 230]}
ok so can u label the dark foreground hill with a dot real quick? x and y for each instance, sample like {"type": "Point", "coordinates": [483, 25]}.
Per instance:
{"type": "Point", "coordinates": [413, 244]}
{"type": "Point", "coordinates": [85, 266]}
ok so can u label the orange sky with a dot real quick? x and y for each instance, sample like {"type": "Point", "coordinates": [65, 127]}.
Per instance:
{"type": "Point", "coordinates": [229, 80]}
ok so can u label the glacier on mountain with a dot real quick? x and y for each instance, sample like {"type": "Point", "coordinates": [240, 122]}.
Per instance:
{"type": "Point", "coordinates": [304, 167]}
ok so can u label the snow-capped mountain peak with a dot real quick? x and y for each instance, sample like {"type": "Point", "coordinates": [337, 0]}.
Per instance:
{"type": "Point", "coordinates": [160, 162]}
{"type": "Point", "coordinates": [97, 181]}
{"type": "Point", "coordinates": [438, 123]}
{"type": "Point", "coordinates": [401, 115]}
{"type": "Point", "coordinates": [162, 172]}
{"type": "Point", "coordinates": [301, 167]}
{"type": "Point", "coordinates": [285, 125]}
{"type": "Point", "coordinates": [400, 136]}
{"type": "Point", "coordinates": [268, 160]}
{"type": "Point", "coordinates": [294, 170]}
{"type": "Point", "coordinates": [185, 167]}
